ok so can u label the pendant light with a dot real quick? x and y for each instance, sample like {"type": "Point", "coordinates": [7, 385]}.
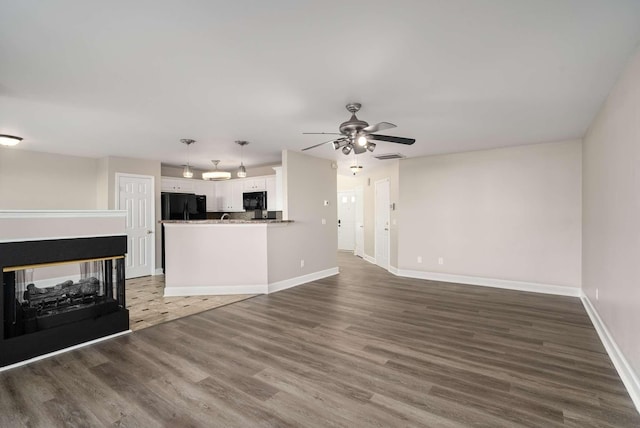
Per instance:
{"type": "Point", "coordinates": [355, 168]}
{"type": "Point", "coordinates": [186, 172]}
{"type": "Point", "coordinates": [9, 140]}
{"type": "Point", "coordinates": [242, 171]}
{"type": "Point", "coordinates": [216, 175]}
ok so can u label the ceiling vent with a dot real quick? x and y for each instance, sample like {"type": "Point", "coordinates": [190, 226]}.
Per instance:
{"type": "Point", "coordinates": [388, 156]}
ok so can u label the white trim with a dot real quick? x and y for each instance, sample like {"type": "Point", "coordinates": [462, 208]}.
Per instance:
{"type": "Point", "coordinates": [370, 259]}
{"type": "Point", "coordinates": [394, 270]}
{"type": "Point", "coordinates": [159, 271]}
{"type": "Point", "coordinates": [17, 214]}
{"type": "Point", "coordinates": [625, 371]}
{"type": "Point", "coordinates": [292, 282]}
{"type": "Point", "coordinates": [51, 238]}
{"type": "Point", "coordinates": [219, 290]}
{"type": "Point", "coordinates": [62, 351]}
{"type": "Point", "coordinates": [560, 290]}
{"type": "Point", "coordinates": [215, 290]}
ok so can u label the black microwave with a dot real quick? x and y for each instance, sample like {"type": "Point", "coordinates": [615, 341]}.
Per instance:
{"type": "Point", "coordinates": [252, 201]}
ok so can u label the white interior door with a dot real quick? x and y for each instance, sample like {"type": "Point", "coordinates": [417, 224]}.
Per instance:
{"type": "Point", "coordinates": [382, 223]}
{"type": "Point", "coordinates": [347, 220]}
{"type": "Point", "coordinates": [135, 196]}
{"type": "Point", "coordinates": [359, 221]}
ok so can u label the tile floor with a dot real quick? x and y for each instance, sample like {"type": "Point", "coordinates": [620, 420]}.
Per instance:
{"type": "Point", "coordinates": [148, 307]}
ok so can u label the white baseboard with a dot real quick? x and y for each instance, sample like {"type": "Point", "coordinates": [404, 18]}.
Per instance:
{"type": "Point", "coordinates": [394, 270]}
{"type": "Point", "coordinates": [215, 290]}
{"type": "Point", "coordinates": [369, 259]}
{"type": "Point", "coordinates": [534, 287]}
{"type": "Point", "coordinates": [292, 282]}
{"type": "Point", "coordinates": [62, 351]}
{"type": "Point", "coordinates": [159, 271]}
{"type": "Point", "coordinates": [248, 289]}
{"type": "Point", "coordinates": [625, 371]}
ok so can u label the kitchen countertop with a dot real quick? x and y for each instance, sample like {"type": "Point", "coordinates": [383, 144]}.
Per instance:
{"type": "Point", "coordinates": [230, 221]}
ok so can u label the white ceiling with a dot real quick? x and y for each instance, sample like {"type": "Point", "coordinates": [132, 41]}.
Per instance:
{"type": "Point", "coordinates": [131, 78]}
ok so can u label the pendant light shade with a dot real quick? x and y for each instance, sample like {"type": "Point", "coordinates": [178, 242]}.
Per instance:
{"type": "Point", "coordinates": [186, 172]}
{"type": "Point", "coordinates": [9, 140]}
{"type": "Point", "coordinates": [216, 175]}
{"type": "Point", "coordinates": [242, 171]}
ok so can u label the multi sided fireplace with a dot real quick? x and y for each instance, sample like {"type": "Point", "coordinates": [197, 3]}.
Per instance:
{"type": "Point", "coordinates": [60, 292]}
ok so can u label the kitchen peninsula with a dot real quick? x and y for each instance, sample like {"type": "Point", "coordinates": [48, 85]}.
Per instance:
{"type": "Point", "coordinates": [213, 257]}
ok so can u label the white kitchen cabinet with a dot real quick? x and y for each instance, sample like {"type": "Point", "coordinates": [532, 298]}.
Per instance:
{"type": "Point", "coordinates": [271, 193]}
{"type": "Point", "coordinates": [256, 184]}
{"type": "Point", "coordinates": [229, 196]}
{"type": "Point", "coordinates": [279, 193]}
{"type": "Point", "coordinates": [177, 185]}
{"type": "Point", "coordinates": [207, 188]}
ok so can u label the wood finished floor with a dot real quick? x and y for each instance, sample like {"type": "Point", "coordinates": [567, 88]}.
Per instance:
{"type": "Point", "coordinates": [360, 349]}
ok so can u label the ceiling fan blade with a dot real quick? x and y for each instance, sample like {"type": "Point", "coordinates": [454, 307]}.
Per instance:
{"type": "Point", "coordinates": [318, 145]}
{"type": "Point", "coordinates": [321, 133]}
{"type": "Point", "coordinates": [392, 139]}
{"type": "Point", "coordinates": [379, 127]}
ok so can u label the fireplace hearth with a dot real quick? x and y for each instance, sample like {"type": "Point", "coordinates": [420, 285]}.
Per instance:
{"type": "Point", "coordinates": [59, 293]}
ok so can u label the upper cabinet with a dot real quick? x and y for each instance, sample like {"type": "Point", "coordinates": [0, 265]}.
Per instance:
{"type": "Point", "coordinates": [258, 184]}
{"type": "Point", "coordinates": [229, 196]}
{"type": "Point", "coordinates": [177, 185]}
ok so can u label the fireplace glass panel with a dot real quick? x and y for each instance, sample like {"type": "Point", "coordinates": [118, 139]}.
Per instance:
{"type": "Point", "coordinates": [38, 297]}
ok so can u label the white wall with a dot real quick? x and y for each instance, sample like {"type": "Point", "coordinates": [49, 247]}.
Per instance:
{"type": "Point", "coordinates": [307, 183]}
{"type": "Point", "coordinates": [511, 214]}
{"type": "Point", "coordinates": [611, 213]}
{"type": "Point", "coordinates": [35, 180]}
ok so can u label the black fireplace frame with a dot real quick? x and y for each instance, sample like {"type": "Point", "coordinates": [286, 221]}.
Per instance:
{"type": "Point", "coordinates": [23, 253]}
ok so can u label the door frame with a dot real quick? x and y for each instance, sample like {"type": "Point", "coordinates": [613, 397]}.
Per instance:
{"type": "Point", "coordinates": [118, 176]}
{"type": "Point", "coordinates": [359, 214]}
{"type": "Point", "coordinates": [352, 194]}
{"type": "Point", "coordinates": [375, 223]}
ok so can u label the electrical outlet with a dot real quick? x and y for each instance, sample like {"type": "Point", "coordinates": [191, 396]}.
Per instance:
{"type": "Point", "coordinates": [302, 263]}
{"type": "Point", "coordinates": [597, 294]}
{"type": "Point", "coordinates": [325, 203]}
{"type": "Point", "coordinates": [440, 260]}
{"type": "Point", "coordinates": [419, 259]}
{"type": "Point", "coordinates": [324, 221]}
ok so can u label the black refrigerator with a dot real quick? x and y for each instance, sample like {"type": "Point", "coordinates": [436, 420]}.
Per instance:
{"type": "Point", "coordinates": [182, 206]}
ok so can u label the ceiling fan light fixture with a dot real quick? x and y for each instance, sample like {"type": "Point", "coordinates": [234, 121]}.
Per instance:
{"type": "Point", "coordinates": [347, 149]}
{"type": "Point", "coordinates": [216, 175]}
{"type": "Point", "coordinates": [371, 146]}
{"type": "Point", "coordinates": [362, 140]}
{"type": "Point", "coordinates": [9, 140]}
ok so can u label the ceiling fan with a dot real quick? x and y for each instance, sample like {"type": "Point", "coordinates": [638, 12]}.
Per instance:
{"type": "Point", "coordinates": [357, 135]}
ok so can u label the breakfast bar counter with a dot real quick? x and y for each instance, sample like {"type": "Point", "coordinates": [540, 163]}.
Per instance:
{"type": "Point", "coordinates": [214, 257]}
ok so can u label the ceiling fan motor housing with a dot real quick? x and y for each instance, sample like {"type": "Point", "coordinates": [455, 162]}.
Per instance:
{"type": "Point", "coordinates": [352, 126]}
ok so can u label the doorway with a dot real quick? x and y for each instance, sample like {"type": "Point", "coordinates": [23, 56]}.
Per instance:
{"type": "Point", "coordinates": [347, 220]}
{"type": "Point", "coordinates": [135, 195]}
{"type": "Point", "coordinates": [359, 251]}
{"type": "Point", "coordinates": [382, 202]}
